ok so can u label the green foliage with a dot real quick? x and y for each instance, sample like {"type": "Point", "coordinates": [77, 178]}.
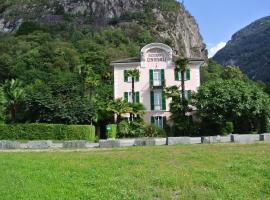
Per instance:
{"type": "Point", "coordinates": [2, 106]}
{"type": "Point", "coordinates": [14, 95]}
{"type": "Point", "coordinates": [47, 132]}
{"type": "Point", "coordinates": [28, 27]}
{"type": "Point", "coordinates": [154, 131]}
{"type": "Point", "coordinates": [123, 129]}
{"type": "Point", "coordinates": [249, 49]}
{"type": "Point", "coordinates": [242, 103]}
{"type": "Point", "coordinates": [228, 128]}
{"type": "Point", "coordinates": [231, 72]}
{"type": "Point", "coordinates": [113, 132]}
{"type": "Point", "coordinates": [212, 70]}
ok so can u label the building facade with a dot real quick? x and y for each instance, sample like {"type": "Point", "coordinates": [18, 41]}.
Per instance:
{"type": "Point", "coordinates": [157, 70]}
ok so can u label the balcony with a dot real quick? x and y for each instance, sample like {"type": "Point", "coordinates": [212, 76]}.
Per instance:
{"type": "Point", "coordinates": [158, 84]}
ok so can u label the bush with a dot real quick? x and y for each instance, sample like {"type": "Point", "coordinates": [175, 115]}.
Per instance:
{"type": "Point", "coordinates": [123, 129]}
{"type": "Point", "coordinates": [47, 132]}
{"type": "Point", "coordinates": [154, 131]}
{"type": "Point", "coordinates": [228, 128]}
{"type": "Point", "coordinates": [113, 132]}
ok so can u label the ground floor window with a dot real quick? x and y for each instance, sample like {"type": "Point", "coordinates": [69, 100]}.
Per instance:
{"type": "Point", "coordinates": [159, 121]}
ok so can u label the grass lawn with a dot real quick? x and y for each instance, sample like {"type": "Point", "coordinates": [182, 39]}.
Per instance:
{"type": "Point", "coordinates": [228, 171]}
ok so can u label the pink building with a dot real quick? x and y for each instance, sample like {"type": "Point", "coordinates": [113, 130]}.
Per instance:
{"type": "Point", "coordinates": [157, 70]}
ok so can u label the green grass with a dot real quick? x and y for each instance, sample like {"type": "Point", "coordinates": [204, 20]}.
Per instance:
{"type": "Point", "coordinates": [171, 172]}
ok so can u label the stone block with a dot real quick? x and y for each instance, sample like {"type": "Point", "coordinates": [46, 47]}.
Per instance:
{"type": "Point", "coordinates": [74, 144]}
{"type": "Point", "coordinates": [160, 141]}
{"type": "Point", "coordinates": [109, 143]}
{"type": "Point", "coordinates": [265, 137]}
{"type": "Point", "coordinates": [183, 140]}
{"type": "Point", "coordinates": [245, 138]}
{"type": "Point", "coordinates": [38, 144]}
{"type": "Point", "coordinates": [92, 145]}
{"type": "Point", "coordinates": [7, 144]}
{"type": "Point", "coordinates": [127, 142]}
{"type": "Point", "coordinates": [215, 139]}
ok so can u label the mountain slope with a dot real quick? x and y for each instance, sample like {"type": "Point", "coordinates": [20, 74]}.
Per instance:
{"type": "Point", "coordinates": [250, 49]}
{"type": "Point", "coordinates": [167, 20]}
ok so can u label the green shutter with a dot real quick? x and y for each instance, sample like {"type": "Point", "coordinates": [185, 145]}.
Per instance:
{"type": "Point", "coordinates": [137, 79]}
{"type": "Point", "coordinates": [176, 74]}
{"type": "Point", "coordinates": [162, 77]}
{"type": "Point", "coordinates": [125, 76]}
{"type": "Point", "coordinates": [163, 101]}
{"type": "Point", "coordinates": [151, 73]}
{"type": "Point", "coordinates": [137, 94]}
{"type": "Point", "coordinates": [164, 122]}
{"type": "Point", "coordinates": [126, 96]}
{"type": "Point", "coordinates": [152, 120]}
{"type": "Point", "coordinates": [188, 74]}
{"type": "Point", "coordinates": [152, 101]}
{"type": "Point", "coordinates": [189, 94]}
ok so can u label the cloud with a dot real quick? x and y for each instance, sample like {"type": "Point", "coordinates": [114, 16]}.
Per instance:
{"type": "Point", "coordinates": [215, 49]}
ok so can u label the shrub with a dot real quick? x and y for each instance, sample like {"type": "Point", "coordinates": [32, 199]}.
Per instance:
{"type": "Point", "coordinates": [228, 128]}
{"type": "Point", "coordinates": [112, 133]}
{"type": "Point", "coordinates": [47, 132]}
{"type": "Point", "coordinates": [123, 129]}
{"type": "Point", "coordinates": [154, 131]}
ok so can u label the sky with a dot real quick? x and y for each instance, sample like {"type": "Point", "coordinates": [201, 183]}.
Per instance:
{"type": "Point", "coordinates": [220, 19]}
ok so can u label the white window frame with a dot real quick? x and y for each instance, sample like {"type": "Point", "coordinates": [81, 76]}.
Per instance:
{"type": "Point", "coordinates": [158, 121]}
{"type": "Point", "coordinates": [157, 77]}
{"type": "Point", "coordinates": [158, 100]}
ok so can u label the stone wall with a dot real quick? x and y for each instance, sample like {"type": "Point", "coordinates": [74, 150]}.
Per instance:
{"type": "Point", "coordinates": [80, 144]}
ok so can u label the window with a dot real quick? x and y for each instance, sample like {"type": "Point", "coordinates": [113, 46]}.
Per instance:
{"type": "Point", "coordinates": [156, 78]}
{"type": "Point", "coordinates": [157, 100]}
{"type": "Point", "coordinates": [128, 79]}
{"type": "Point", "coordinates": [178, 75]}
{"type": "Point", "coordinates": [158, 121]}
{"type": "Point", "coordinates": [188, 94]}
{"type": "Point", "coordinates": [128, 97]}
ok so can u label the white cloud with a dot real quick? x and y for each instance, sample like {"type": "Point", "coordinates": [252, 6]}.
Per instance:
{"type": "Point", "coordinates": [212, 51]}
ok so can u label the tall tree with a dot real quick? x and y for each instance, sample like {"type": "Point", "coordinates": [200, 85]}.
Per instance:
{"type": "Point", "coordinates": [135, 75]}
{"type": "Point", "coordinates": [181, 65]}
{"type": "Point", "coordinates": [243, 103]}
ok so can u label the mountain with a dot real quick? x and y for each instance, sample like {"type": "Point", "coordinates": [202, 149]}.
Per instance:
{"type": "Point", "coordinates": [250, 50]}
{"type": "Point", "coordinates": [167, 20]}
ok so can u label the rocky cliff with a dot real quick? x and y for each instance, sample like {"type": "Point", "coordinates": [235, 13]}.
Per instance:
{"type": "Point", "coordinates": [250, 49]}
{"type": "Point", "coordinates": [167, 20]}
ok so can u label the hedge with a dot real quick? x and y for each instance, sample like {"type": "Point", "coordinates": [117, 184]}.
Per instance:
{"type": "Point", "coordinates": [47, 132]}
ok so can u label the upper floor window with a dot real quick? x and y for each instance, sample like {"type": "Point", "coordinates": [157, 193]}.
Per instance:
{"type": "Point", "coordinates": [128, 79]}
{"type": "Point", "coordinates": [157, 77]}
{"type": "Point", "coordinates": [177, 75]}
{"type": "Point", "coordinates": [128, 97]}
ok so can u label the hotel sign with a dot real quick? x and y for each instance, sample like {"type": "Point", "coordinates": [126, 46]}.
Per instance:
{"type": "Point", "coordinates": [156, 55]}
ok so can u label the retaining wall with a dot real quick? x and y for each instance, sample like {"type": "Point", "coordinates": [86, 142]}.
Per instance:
{"type": "Point", "coordinates": [110, 143]}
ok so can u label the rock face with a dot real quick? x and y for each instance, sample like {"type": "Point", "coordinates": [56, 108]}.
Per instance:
{"type": "Point", "coordinates": [250, 50]}
{"type": "Point", "coordinates": [173, 23]}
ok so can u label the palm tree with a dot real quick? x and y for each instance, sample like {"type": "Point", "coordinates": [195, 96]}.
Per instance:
{"type": "Point", "coordinates": [134, 74]}
{"type": "Point", "coordinates": [14, 94]}
{"type": "Point", "coordinates": [119, 107]}
{"type": "Point", "coordinates": [138, 110]}
{"type": "Point", "coordinates": [181, 65]}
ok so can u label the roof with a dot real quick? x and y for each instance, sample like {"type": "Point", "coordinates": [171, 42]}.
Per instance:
{"type": "Point", "coordinates": [127, 60]}
{"type": "Point", "coordinates": [138, 59]}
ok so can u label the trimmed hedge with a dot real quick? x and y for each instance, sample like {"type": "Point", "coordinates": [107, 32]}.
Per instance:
{"type": "Point", "coordinates": [47, 132]}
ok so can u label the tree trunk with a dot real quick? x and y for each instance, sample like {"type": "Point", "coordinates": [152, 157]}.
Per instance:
{"type": "Point", "coordinates": [133, 95]}
{"type": "Point", "coordinates": [183, 91]}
